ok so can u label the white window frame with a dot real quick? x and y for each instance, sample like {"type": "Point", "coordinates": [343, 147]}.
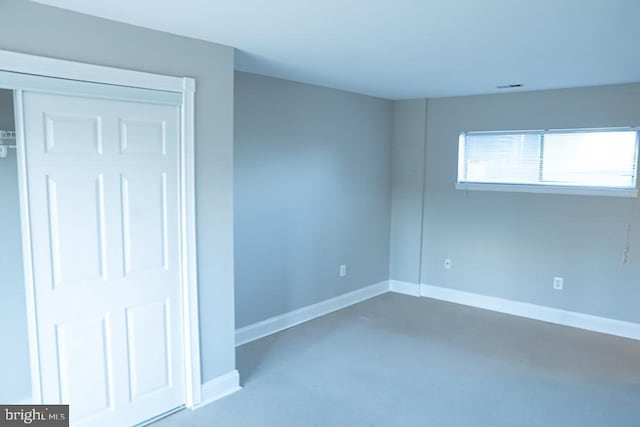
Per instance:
{"type": "Point", "coordinates": [548, 188]}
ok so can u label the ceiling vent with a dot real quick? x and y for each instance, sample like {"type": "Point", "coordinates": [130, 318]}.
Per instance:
{"type": "Point", "coordinates": [511, 86]}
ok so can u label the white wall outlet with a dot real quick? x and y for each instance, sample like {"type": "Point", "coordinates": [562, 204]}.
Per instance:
{"type": "Point", "coordinates": [343, 270]}
{"type": "Point", "coordinates": [447, 263]}
{"type": "Point", "coordinates": [558, 283]}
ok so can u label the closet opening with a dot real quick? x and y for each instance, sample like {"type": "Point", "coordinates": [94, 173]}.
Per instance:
{"type": "Point", "coordinates": [14, 358]}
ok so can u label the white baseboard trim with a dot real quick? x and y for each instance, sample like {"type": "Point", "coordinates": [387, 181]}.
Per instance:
{"type": "Point", "coordinates": [219, 387]}
{"type": "Point", "coordinates": [532, 311]}
{"type": "Point", "coordinates": [278, 323]}
{"type": "Point", "coordinates": [406, 288]}
{"type": "Point", "coordinates": [212, 390]}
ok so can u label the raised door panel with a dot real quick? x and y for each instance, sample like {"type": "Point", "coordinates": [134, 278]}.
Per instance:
{"type": "Point", "coordinates": [76, 228]}
{"type": "Point", "coordinates": [149, 348]}
{"type": "Point", "coordinates": [144, 220]}
{"type": "Point", "coordinates": [73, 134]}
{"type": "Point", "coordinates": [143, 136]}
{"type": "Point", "coordinates": [84, 366]}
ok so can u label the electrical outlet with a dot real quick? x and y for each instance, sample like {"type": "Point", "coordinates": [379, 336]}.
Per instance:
{"type": "Point", "coordinates": [343, 270]}
{"type": "Point", "coordinates": [558, 283]}
{"type": "Point", "coordinates": [447, 263]}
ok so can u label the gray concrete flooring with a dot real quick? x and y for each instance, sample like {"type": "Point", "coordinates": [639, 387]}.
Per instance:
{"type": "Point", "coordinates": [397, 360]}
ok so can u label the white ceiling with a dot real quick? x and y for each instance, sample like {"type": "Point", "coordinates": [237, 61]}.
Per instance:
{"type": "Point", "coordinates": [407, 48]}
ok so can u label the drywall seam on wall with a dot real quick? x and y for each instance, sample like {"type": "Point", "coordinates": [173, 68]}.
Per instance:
{"type": "Point", "coordinates": [407, 179]}
{"type": "Point", "coordinates": [424, 188]}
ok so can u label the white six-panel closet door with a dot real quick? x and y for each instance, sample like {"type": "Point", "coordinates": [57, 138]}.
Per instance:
{"type": "Point", "coordinates": [103, 196]}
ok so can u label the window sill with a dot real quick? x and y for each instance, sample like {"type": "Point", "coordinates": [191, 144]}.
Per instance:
{"type": "Point", "coordinates": [548, 189]}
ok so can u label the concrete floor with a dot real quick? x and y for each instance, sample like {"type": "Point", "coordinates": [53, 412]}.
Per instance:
{"type": "Point", "coordinates": [397, 360]}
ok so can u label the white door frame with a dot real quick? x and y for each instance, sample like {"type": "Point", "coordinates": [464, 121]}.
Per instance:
{"type": "Point", "coordinates": [37, 68]}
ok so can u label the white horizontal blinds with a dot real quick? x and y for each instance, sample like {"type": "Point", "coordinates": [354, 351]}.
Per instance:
{"type": "Point", "coordinates": [502, 158]}
{"type": "Point", "coordinates": [581, 158]}
{"type": "Point", "coordinates": [590, 159]}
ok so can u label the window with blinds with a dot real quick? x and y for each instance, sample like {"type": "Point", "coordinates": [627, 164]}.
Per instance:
{"type": "Point", "coordinates": [568, 159]}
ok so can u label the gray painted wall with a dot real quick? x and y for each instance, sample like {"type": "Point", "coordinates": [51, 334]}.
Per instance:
{"type": "Point", "coordinates": [312, 191]}
{"type": "Point", "coordinates": [511, 245]}
{"type": "Point", "coordinates": [407, 175]}
{"type": "Point", "coordinates": [36, 29]}
{"type": "Point", "coordinates": [14, 365]}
